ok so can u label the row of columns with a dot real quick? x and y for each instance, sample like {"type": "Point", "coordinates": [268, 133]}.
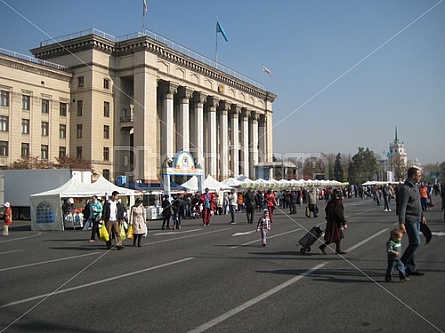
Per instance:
{"type": "Point", "coordinates": [218, 154]}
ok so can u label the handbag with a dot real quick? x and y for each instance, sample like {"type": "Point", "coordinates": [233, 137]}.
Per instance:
{"type": "Point", "coordinates": [103, 233]}
{"type": "Point", "coordinates": [87, 225]}
{"type": "Point", "coordinates": [308, 211]}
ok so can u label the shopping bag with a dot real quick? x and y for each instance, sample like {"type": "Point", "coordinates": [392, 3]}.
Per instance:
{"type": "Point", "coordinates": [122, 233]}
{"type": "Point", "coordinates": [87, 225]}
{"type": "Point", "coordinates": [103, 233]}
{"type": "Point", "coordinates": [308, 211]}
{"type": "Point", "coordinates": [130, 232]}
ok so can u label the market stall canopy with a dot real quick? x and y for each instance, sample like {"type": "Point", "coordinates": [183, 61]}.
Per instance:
{"type": "Point", "coordinates": [106, 187]}
{"type": "Point", "coordinates": [46, 207]}
{"type": "Point", "coordinates": [232, 182]}
{"type": "Point", "coordinates": [211, 183]}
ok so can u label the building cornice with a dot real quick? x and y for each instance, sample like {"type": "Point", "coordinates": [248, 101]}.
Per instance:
{"type": "Point", "coordinates": [33, 68]}
{"type": "Point", "coordinates": [162, 51]}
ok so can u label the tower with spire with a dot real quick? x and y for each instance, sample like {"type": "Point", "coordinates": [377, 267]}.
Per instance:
{"type": "Point", "coordinates": [398, 155]}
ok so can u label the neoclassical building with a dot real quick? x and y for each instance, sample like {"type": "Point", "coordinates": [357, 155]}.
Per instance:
{"type": "Point", "coordinates": [130, 103]}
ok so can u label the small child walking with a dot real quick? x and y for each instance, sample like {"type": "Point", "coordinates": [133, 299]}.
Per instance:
{"type": "Point", "coordinates": [394, 251]}
{"type": "Point", "coordinates": [264, 226]}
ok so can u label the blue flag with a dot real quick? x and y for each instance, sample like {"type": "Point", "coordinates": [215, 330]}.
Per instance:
{"type": "Point", "coordinates": [220, 29]}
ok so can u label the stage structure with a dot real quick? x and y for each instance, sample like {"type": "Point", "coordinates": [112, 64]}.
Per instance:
{"type": "Point", "coordinates": [183, 165]}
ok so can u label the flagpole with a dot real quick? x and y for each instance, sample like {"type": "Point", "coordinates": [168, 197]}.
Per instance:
{"type": "Point", "coordinates": [143, 27]}
{"type": "Point", "coordinates": [216, 41]}
{"type": "Point", "coordinates": [144, 11]}
{"type": "Point", "coordinates": [264, 73]}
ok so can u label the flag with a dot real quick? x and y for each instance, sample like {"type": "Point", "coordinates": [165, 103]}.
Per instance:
{"type": "Point", "coordinates": [266, 70]}
{"type": "Point", "coordinates": [144, 7]}
{"type": "Point", "coordinates": [220, 29]}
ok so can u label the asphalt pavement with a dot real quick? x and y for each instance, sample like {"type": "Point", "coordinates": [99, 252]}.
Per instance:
{"type": "Point", "coordinates": [218, 278]}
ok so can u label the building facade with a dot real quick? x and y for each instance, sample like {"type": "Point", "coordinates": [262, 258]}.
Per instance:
{"type": "Point", "coordinates": [133, 102]}
{"type": "Point", "coordinates": [34, 105]}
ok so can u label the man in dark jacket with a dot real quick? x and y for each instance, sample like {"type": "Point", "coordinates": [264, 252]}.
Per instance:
{"type": "Point", "coordinates": [113, 216]}
{"type": "Point", "coordinates": [411, 216]}
{"type": "Point", "coordinates": [249, 200]}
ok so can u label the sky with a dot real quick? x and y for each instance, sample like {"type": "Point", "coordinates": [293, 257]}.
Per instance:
{"type": "Point", "coordinates": [346, 72]}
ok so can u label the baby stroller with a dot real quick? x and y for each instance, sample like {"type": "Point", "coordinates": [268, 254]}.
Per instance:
{"type": "Point", "coordinates": [309, 239]}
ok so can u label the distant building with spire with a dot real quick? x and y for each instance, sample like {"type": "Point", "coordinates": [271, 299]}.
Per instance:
{"type": "Point", "coordinates": [397, 150]}
{"type": "Point", "coordinates": [395, 162]}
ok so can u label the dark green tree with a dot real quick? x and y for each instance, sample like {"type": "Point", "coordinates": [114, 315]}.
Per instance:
{"type": "Point", "coordinates": [363, 166]}
{"type": "Point", "coordinates": [338, 169]}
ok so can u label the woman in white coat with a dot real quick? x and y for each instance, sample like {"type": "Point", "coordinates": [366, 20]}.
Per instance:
{"type": "Point", "coordinates": [137, 221]}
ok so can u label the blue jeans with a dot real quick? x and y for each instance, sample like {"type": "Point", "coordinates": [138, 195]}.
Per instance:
{"type": "Point", "coordinates": [395, 264]}
{"type": "Point", "coordinates": [409, 256]}
{"type": "Point", "coordinates": [232, 213]}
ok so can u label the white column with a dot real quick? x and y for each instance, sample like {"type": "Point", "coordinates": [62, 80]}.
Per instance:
{"type": "Point", "coordinates": [183, 126]}
{"type": "Point", "coordinates": [167, 120]}
{"type": "Point", "coordinates": [262, 139]}
{"type": "Point", "coordinates": [234, 139]}
{"type": "Point", "coordinates": [224, 149]}
{"type": "Point", "coordinates": [199, 131]}
{"type": "Point", "coordinates": [253, 143]}
{"type": "Point", "coordinates": [212, 156]}
{"type": "Point", "coordinates": [245, 142]}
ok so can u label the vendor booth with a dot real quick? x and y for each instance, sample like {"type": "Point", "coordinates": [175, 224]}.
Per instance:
{"type": "Point", "coordinates": [46, 207]}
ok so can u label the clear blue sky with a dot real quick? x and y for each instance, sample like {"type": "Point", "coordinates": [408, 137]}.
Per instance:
{"type": "Point", "coordinates": [346, 72]}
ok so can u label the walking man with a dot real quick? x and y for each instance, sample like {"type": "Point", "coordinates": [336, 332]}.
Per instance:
{"type": "Point", "coordinates": [409, 210]}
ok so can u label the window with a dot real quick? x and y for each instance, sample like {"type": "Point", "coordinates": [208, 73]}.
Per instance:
{"type": "Point", "coordinates": [45, 128]}
{"type": "Point", "coordinates": [106, 132]}
{"type": "Point", "coordinates": [80, 81]}
{"type": "Point", "coordinates": [79, 152]}
{"type": "Point", "coordinates": [4, 98]}
{"type": "Point", "coordinates": [62, 152]}
{"type": "Point", "coordinates": [4, 123]}
{"type": "Point", "coordinates": [45, 105]}
{"type": "Point", "coordinates": [25, 150]}
{"type": "Point", "coordinates": [44, 152]}
{"type": "Point", "coordinates": [79, 108]}
{"type": "Point", "coordinates": [106, 84]}
{"type": "Point", "coordinates": [106, 174]}
{"type": "Point", "coordinates": [25, 126]}
{"type": "Point", "coordinates": [26, 102]}
{"type": "Point", "coordinates": [62, 131]}
{"type": "Point", "coordinates": [106, 154]}
{"type": "Point", "coordinates": [4, 148]}
{"type": "Point", "coordinates": [107, 109]}
{"type": "Point", "coordinates": [79, 131]}
{"type": "Point", "coordinates": [63, 109]}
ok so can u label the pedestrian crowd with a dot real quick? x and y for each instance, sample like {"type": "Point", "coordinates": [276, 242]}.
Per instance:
{"type": "Point", "coordinates": [108, 220]}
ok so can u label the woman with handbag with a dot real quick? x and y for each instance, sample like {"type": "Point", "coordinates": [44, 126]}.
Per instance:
{"type": "Point", "coordinates": [7, 218]}
{"type": "Point", "coordinates": [137, 222]}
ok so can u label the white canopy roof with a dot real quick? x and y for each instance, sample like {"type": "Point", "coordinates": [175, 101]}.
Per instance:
{"type": "Point", "coordinates": [46, 210]}
{"type": "Point", "coordinates": [211, 183]}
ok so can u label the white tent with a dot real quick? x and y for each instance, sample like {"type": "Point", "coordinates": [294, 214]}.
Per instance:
{"type": "Point", "coordinates": [107, 188]}
{"type": "Point", "coordinates": [46, 207]}
{"type": "Point", "coordinates": [232, 182]}
{"type": "Point", "coordinates": [211, 183]}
